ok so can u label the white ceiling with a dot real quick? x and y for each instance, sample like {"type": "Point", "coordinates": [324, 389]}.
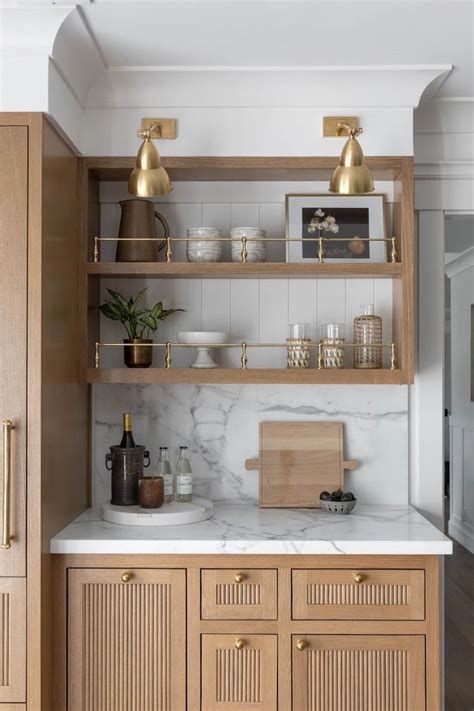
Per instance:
{"type": "Point", "coordinates": [214, 34]}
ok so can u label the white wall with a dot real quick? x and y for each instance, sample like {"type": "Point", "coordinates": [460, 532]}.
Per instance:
{"type": "Point", "coordinates": [461, 523]}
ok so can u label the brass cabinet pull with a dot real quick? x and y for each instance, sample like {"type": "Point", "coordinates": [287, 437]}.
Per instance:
{"type": "Point", "coordinates": [358, 577]}
{"type": "Point", "coordinates": [126, 577]}
{"type": "Point", "coordinates": [239, 577]}
{"type": "Point", "coordinates": [301, 644]}
{"type": "Point", "coordinates": [239, 643]}
{"type": "Point", "coordinates": [7, 466]}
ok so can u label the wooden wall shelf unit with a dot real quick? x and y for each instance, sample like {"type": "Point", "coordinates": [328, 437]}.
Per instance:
{"type": "Point", "coordinates": [397, 170]}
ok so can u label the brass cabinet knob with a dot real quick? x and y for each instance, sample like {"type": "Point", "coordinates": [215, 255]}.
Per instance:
{"type": "Point", "coordinates": [358, 577]}
{"type": "Point", "coordinates": [301, 644]}
{"type": "Point", "coordinates": [126, 577]}
{"type": "Point", "coordinates": [239, 643]}
{"type": "Point", "coordinates": [239, 577]}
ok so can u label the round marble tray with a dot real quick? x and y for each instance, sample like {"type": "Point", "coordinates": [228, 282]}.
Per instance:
{"type": "Point", "coordinates": [173, 514]}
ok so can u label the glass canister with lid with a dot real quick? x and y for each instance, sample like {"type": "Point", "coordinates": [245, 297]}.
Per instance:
{"type": "Point", "coordinates": [368, 339]}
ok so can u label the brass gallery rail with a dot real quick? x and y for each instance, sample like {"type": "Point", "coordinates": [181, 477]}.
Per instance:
{"type": "Point", "coordinates": [244, 346]}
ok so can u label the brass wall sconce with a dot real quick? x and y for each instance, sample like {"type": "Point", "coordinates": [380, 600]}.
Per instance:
{"type": "Point", "coordinates": [149, 178]}
{"type": "Point", "coordinates": [351, 175]}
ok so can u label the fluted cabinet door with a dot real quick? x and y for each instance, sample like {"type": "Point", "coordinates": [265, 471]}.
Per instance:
{"type": "Point", "coordinates": [126, 632]}
{"type": "Point", "coordinates": [239, 672]}
{"type": "Point", "coordinates": [358, 673]}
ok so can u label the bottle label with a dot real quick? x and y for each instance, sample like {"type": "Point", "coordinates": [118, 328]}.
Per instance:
{"type": "Point", "coordinates": [168, 482]}
{"type": "Point", "coordinates": [184, 484]}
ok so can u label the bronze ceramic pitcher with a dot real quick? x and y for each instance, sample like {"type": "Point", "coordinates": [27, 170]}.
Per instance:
{"type": "Point", "coordinates": [138, 220]}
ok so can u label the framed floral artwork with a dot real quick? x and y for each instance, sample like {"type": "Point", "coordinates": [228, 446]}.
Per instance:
{"type": "Point", "coordinates": [344, 221]}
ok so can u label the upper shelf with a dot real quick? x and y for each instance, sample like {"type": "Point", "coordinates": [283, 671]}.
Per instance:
{"type": "Point", "coordinates": [222, 270]}
{"type": "Point", "coordinates": [210, 168]}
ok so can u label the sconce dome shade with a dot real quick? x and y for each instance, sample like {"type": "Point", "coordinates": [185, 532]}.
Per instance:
{"type": "Point", "coordinates": [351, 175]}
{"type": "Point", "coordinates": [149, 178]}
{"type": "Point", "coordinates": [149, 183]}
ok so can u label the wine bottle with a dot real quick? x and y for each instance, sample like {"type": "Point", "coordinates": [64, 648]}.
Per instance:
{"type": "Point", "coordinates": [184, 477]}
{"type": "Point", "coordinates": [164, 470]}
{"type": "Point", "coordinates": [127, 436]}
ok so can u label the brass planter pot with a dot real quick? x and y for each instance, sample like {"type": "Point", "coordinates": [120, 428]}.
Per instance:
{"type": "Point", "coordinates": [138, 355]}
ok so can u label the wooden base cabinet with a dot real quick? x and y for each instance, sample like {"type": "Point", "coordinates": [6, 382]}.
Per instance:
{"type": "Point", "coordinates": [322, 633]}
{"type": "Point", "coordinates": [126, 646]}
{"type": "Point", "coordinates": [358, 673]}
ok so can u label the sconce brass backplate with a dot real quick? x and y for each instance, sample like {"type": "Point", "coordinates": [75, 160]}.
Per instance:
{"type": "Point", "coordinates": [167, 126]}
{"type": "Point", "coordinates": [330, 125]}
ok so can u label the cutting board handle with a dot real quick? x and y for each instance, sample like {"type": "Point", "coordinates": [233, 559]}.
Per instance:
{"type": "Point", "coordinates": [251, 464]}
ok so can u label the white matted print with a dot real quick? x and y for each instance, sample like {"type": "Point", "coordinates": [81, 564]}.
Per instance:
{"type": "Point", "coordinates": [344, 221]}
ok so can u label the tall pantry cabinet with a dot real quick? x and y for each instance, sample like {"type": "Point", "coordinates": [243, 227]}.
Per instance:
{"type": "Point", "coordinates": [43, 408]}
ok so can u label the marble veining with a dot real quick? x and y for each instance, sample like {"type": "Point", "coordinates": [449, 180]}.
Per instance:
{"type": "Point", "coordinates": [247, 529]}
{"type": "Point", "coordinates": [219, 424]}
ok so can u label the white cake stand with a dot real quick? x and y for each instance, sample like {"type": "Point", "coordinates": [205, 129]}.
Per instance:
{"type": "Point", "coordinates": [204, 358]}
{"type": "Point", "coordinates": [173, 514]}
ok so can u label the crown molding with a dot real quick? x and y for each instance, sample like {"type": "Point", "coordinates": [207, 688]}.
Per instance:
{"type": "Point", "coordinates": [444, 170]}
{"type": "Point", "coordinates": [459, 264]}
{"type": "Point", "coordinates": [329, 86]}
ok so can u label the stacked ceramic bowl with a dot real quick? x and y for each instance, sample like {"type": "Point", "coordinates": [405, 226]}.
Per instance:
{"type": "Point", "coordinates": [256, 247]}
{"type": "Point", "coordinates": [203, 244]}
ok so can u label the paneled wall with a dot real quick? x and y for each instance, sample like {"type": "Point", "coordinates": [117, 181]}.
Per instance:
{"type": "Point", "coordinates": [219, 424]}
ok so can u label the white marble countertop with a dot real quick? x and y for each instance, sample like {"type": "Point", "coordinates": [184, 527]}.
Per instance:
{"type": "Point", "coordinates": [245, 529]}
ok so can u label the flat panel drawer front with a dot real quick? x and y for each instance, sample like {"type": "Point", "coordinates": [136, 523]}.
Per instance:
{"type": "Point", "coordinates": [126, 640]}
{"type": "Point", "coordinates": [358, 594]}
{"type": "Point", "coordinates": [239, 672]}
{"type": "Point", "coordinates": [358, 673]}
{"type": "Point", "coordinates": [239, 594]}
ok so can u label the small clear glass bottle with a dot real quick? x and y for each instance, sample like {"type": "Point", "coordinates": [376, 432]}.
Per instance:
{"type": "Point", "coordinates": [164, 470]}
{"type": "Point", "coordinates": [184, 477]}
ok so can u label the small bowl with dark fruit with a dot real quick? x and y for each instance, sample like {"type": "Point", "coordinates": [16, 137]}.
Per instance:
{"type": "Point", "coordinates": [340, 502]}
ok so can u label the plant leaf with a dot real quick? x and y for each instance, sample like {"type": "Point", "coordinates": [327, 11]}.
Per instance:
{"type": "Point", "coordinates": [167, 312]}
{"type": "Point", "coordinates": [111, 311]}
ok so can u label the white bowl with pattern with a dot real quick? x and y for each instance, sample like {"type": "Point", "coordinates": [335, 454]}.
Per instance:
{"type": "Point", "coordinates": [203, 244]}
{"type": "Point", "coordinates": [256, 247]}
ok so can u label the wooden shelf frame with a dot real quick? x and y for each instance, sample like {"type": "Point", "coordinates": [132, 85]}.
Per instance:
{"type": "Point", "coordinates": [217, 168]}
{"type": "Point", "coordinates": [255, 376]}
{"type": "Point", "coordinates": [398, 169]}
{"type": "Point", "coordinates": [249, 270]}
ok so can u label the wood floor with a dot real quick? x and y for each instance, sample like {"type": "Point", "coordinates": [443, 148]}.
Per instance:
{"type": "Point", "coordinates": [459, 630]}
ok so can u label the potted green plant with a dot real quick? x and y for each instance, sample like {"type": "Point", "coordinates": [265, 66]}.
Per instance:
{"type": "Point", "coordinates": [138, 323]}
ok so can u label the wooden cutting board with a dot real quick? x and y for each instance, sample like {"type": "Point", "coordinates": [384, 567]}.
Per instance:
{"type": "Point", "coordinates": [298, 460]}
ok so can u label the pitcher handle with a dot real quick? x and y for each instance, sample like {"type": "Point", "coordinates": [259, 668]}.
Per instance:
{"type": "Point", "coordinates": [166, 229]}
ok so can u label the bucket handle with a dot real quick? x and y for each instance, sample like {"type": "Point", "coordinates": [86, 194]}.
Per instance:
{"type": "Point", "coordinates": [146, 457]}
{"type": "Point", "coordinates": [108, 458]}
{"type": "Point", "coordinates": [166, 229]}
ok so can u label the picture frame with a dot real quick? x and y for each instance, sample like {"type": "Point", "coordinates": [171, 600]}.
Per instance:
{"type": "Point", "coordinates": [351, 216]}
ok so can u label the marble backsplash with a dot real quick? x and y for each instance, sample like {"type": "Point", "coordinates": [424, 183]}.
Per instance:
{"type": "Point", "coordinates": [219, 424]}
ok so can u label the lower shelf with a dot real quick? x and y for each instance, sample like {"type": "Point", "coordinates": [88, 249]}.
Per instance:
{"type": "Point", "coordinates": [279, 376]}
